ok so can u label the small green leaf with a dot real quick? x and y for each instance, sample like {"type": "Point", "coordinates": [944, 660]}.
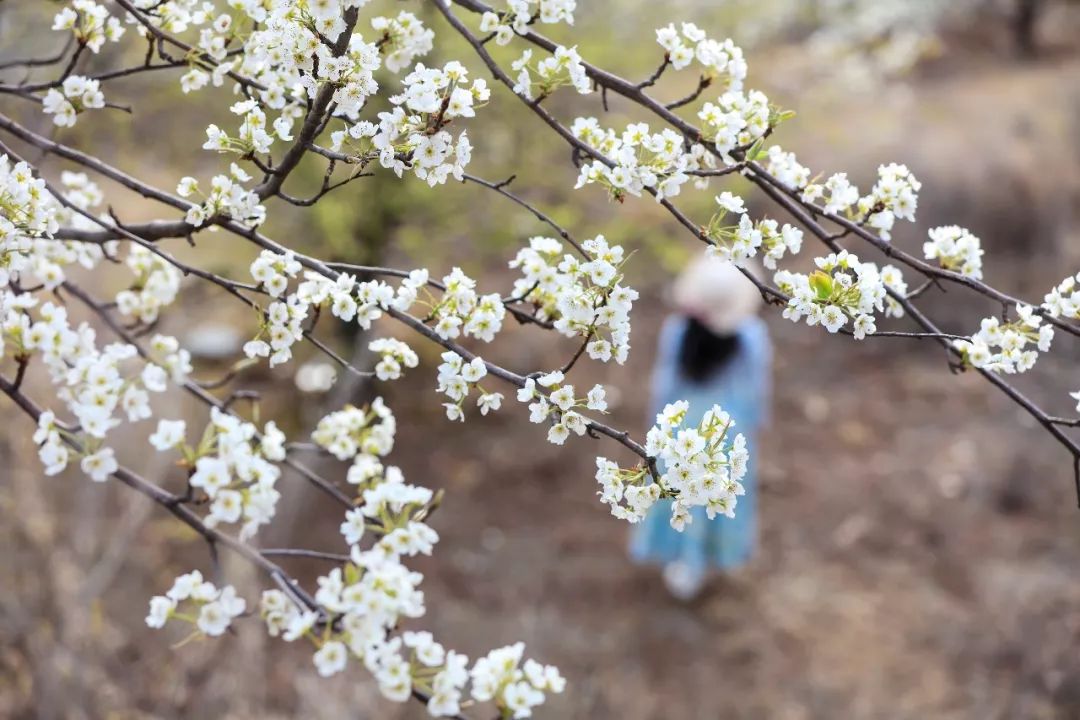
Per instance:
{"type": "Point", "coordinates": [755, 150]}
{"type": "Point", "coordinates": [352, 574]}
{"type": "Point", "coordinates": [822, 285]}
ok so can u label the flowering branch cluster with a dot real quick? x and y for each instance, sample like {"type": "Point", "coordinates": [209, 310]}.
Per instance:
{"type": "Point", "coordinates": [305, 82]}
{"type": "Point", "coordinates": [702, 467]}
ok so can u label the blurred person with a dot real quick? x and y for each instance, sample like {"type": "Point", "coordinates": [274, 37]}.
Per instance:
{"type": "Point", "coordinates": [713, 350]}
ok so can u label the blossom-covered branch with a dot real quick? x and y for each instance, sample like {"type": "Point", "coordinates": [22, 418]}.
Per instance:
{"type": "Point", "coordinates": [332, 85]}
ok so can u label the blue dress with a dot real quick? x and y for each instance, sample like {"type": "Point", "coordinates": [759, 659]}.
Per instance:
{"type": "Point", "coordinates": [741, 387]}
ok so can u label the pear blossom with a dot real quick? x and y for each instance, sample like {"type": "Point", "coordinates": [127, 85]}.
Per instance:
{"type": "Point", "coordinates": [100, 464]}
{"type": "Point", "coordinates": [1004, 347]}
{"type": "Point", "coordinates": [956, 249]}
{"type": "Point", "coordinates": [76, 95]}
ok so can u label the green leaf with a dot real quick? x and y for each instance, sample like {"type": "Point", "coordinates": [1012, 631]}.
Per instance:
{"type": "Point", "coordinates": [755, 150]}
{"type": "Point", "coordinates": [822, 285]}
{"type": "Point", "coordinates": [352, 574]}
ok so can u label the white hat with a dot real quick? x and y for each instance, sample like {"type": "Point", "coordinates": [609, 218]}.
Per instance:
{"type": "Point", "coordinates": [716, 293]}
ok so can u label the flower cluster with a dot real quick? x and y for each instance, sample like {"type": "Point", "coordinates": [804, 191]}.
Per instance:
{"type": "Point", "coordinates": [27, 211]}
{"type": "Point", "coordinates": [283, 326]}
{"type": "Point", "coordinates": [717, 59]}
{"type": "Point", "coordinates": [273, 271]}
{"type": "Point", "coordinates": [165, 352]}
{"type": "Point", "coordinates": [894, 281]}
{"type": "Point", "coordinates": [81, 191]}
{"type": "Point", "coordinates": [893, 197]}
{"type": "Point", "coordinates": [738, 243]}
{"type": "Point", "coordinates": [1003, 346]}
{"type": "Point", "coordinates": [395, 355]}
{"type": "Point", "coordinates": [155, 287]}
{"type": "Point", "coordinates": [641, 160]}
{"type": "Point", "coordinates": [349, 300]}
{"type": "Point", "coordinates": [361, 435]}
{"type": "Point", "coordinates": [581, 298]}
{"type": "Point", "coordinates": [233, 465]}
{"type": "Point", "coordinates": [52, 450]}
{"type": "Point", "coordinates": [1064, 300]}
{"type": "Point", "coordinates": [522, 13]}
{"type": "Point", "coordinates": [460, 311]}
{"type": "Point", "coordinates": [76, 94]}
{"type": "Point", "coordinates": [281, 54]}
{"type": "Point", "coordinates": [90, 23]}
{"type": "Point", "coordinates": [785, 167]}
{"type": "Point", "coordinates": [562, 68]}
{"type": "Point", "coordinates": [404, 38]}
{"type": "Point", "coordinates": [311, 62]}
{"type": "Point", "coordinates": [199, 602]}
{"type": "Point", "coordinates": [409, 290]}
{"type": "Point", "coordinates": [99, 465]}
{"type": "Point", "coordinates": [374, 590]}
{"type": "Point", "coordinates": [551, 401]}
{"type": "Point", "coordinates": [842, 288]}
{"type": "Point", "coordinates": [955, 249]}
{"type": "Point", "coordinates": [358, 608]}
{"type": "Point", "coordinates": [842, 193]}
{"type": "Point", "coordinates": [252, 136]}
{"type": "Point", "coordinates": [701, 467]}
{"type": "Point", "coordinates": [455, 379]}
{"type": "Point", "coordinates": [90, 381]}
{"type": "Point", "coordinates": [411, 136]}
{"type": "Point", "coordinates": [30, 215]}
{"type": "Point", "coordinates": [738, 120]}
{"type": "Point", "coordinates": [516, 688]}
{"type": "Point", "coordinates": [227, 199]}
{"type": "Point", "coordinates": [214, 39]}
{"type": "Point", "coordinates": [196, 79]}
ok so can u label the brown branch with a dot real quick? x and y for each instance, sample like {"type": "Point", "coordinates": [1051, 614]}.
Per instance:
{"type": "Point", "coordinates": [314, 121]}
{"type": "Point", "coordinates": [542, 217]}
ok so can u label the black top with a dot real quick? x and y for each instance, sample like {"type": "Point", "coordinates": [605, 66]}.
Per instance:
{"type": "Point", "coordinates": [703, 352]}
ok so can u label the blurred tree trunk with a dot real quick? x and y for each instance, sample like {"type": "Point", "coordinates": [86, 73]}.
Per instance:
{"type": "Point", "coordinates": [1025, 24]}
